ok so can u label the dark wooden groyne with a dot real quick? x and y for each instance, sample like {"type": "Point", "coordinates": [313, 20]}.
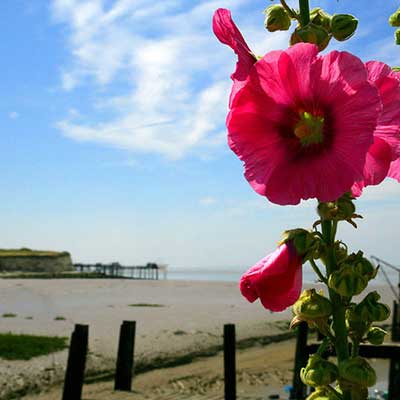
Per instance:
{"type": "Point", "coordinates": [150, 271]}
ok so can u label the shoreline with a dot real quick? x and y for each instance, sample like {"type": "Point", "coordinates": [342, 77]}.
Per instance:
{"type": "Point", "coordinates": [177, 322]}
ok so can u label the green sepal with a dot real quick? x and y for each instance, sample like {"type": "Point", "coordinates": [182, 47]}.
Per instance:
{"type": "Point", "coordinates": [318, 372]}
{"type": "Point", "coordinates": [357, 371]}
{"type": "Point", "coordinates": [311, 33]}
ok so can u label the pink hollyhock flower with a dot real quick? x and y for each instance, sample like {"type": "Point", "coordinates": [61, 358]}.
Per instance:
{"type": "Point", "coordinates": [228, 33]}
{"type": "Point", "coordinates": [301, 123]}
{"type": "Point", "coordinates": [385, 150]}
{"type": "Point", "coordinates": [276, 279]}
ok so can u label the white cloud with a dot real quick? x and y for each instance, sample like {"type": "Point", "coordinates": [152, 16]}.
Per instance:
{"type": "Point", "coordinates": [174, 73]}
{"type": "Point", "coordinates": [13, 115]}
{"type": "Point", "coordinates": [207, 201]}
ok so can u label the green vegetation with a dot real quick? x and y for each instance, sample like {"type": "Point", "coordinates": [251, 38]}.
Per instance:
{"type": "Point", "coordinates": [9, 315]}
{"type": "Point", "coordinates": [25, 347]}
{"type": "Point", "coordinates": [145, 305]}
{"type": "Point", "coordinates": [25, 252]}
{"type": "Point", "coordinates": [59, 318]}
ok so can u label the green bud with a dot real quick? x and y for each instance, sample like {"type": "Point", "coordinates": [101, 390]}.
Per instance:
{"type": "Point", "coordinates": [311, 33]}
{"type": "Point", "coordinates": [318, 372]}
{"type": "Point", "coordinates": [319, 17]}
{"type": "Point", "coordinates": [396, 69]}
{"type": "Point", "coordinates": [369, 309]}
{"type": "Point", "coordinates": [356, 326]}
{"type": "Point", "coordinates": [362, 265]}
{"type": "Point", "coordinates": [397, 36]}
{"type": "Point", "coordinates": [343, 26]}
{"type": "Point", "coordinates": [276, 19]}
{"type": "Point", "coordinates": [394, 19]}
{"type": "Point", "coordinates": [347, 281]}
{"type": "Point", "coordinates": [357, 371]}
{"type": "Point", "coordinates": [376, 335]}
{"type": "Point", "coordinates": [322, 393]}
{"type": "Point", "coordinates": [307, 244]}
{"type": "Point", "coordinates": [312, 306]}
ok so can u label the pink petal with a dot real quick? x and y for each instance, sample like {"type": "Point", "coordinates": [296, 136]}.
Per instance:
{"type": "Point", "coordinates": [377, 164]}
{"type": "Point", "coordinates": [276, 279]}
{"type": "Point", "coordinates": [228, 33]}
{"type": "Point", "coordinates": [388, 127]}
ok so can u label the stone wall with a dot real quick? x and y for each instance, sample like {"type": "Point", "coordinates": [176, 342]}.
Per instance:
{"type": "Point", "coordinates": [36, 263]}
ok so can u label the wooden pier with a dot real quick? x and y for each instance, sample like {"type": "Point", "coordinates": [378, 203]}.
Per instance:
{"type": "Point", "coordinates": [150, 271]}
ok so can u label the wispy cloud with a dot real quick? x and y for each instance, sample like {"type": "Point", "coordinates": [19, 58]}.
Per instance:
{"type": "Point", "coordinates": [13, 115]}
{"type": "Point", "coordinates": [173, 71]}
{"type": "Point", "coordinates": [207, 201]}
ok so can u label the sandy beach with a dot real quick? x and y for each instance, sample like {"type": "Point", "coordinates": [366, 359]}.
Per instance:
{"type": "Point", "coordinates": [174, 319]}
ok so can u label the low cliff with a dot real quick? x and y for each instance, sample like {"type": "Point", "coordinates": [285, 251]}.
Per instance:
{"type": "Point", "coordinates": [27, 260]}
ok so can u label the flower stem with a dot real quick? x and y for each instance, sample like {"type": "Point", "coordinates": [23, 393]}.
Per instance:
{"type": "Point", "coordinates": [304, 12]}
{"type": "Point", "coordinates": [318, 272]}
{"type": "Point", "coordinates": [338, 314]}
{"type": "Point", "coordinates": [291, 13]}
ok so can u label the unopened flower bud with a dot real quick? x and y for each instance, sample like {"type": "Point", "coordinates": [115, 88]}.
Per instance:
{"type": "Point", "coordinates": [369, 308]}
{"type": "Point", "coordinates": [362, 265]}
{"type": "Point", "coordinates": [307, 244]}
{"type": "Point", "coordinates": [357, 371]}
{"type": "Point", "coordinates": [318, 372]}
{"type": "Point", "coordinates": [319, 17]}
{"type": "Point", "coordinates": [397, 36]}
{"type": "Point", "coordinates": [376, 335]}
{"type": "Point", "coordinates": [311, 33]}
{"type": "Point", "coordinates": [276, 18]}
{"type": "Point", "coordinates": [343, 26]}
{"type": "Point", "coordinates": [394, 19]}
{"type": "Point", "coordinates": [312, 306]}
{"type": "Point", "coordinates": [322, 393]}
{"type": "Point", "coordinates": [347, 281]}
{"type": "Point", "coordinates": [357, 327]}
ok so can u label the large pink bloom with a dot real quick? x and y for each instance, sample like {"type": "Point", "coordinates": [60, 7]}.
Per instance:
{"type": "Point", "coordinates": [302, 123]}
{"type": "Point", "coordinates": [276, 279]}
{"type": "Point", "coordinates": [385, 150]}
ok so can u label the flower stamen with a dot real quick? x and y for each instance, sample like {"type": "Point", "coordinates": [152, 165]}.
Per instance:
{"type": "Point", "coordinates": [309, 129]}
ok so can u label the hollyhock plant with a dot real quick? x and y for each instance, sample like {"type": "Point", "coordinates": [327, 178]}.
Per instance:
{"type": "Point", "coordinates": [307, 126]}
{"type": "Point", "coordinates": [276, 279]}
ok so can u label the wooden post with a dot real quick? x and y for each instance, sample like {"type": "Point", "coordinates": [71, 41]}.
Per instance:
{"type": "Point", "coordinates": [299, 389]}
{"type": "Point", "coordinates": [75, 371]}
{"type": "Point", "coordinates": [394, 380]}
{"type": "Point", "coordinates": [396, 322]}
{"type": "Point", "coordinates": [230, 361]}
{"type": "Point", "coordinates": [126, 348]}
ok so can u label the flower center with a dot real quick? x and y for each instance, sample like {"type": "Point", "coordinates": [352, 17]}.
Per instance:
{"type": "Point", "coordinates": [309, 129]}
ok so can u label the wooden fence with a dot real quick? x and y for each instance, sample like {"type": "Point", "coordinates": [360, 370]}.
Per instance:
{"type": "Point", "coordinates": [75, 371]}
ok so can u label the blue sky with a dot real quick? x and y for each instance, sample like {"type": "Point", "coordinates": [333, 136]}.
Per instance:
{"type": "Point", "coordinates": [113, 138]}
